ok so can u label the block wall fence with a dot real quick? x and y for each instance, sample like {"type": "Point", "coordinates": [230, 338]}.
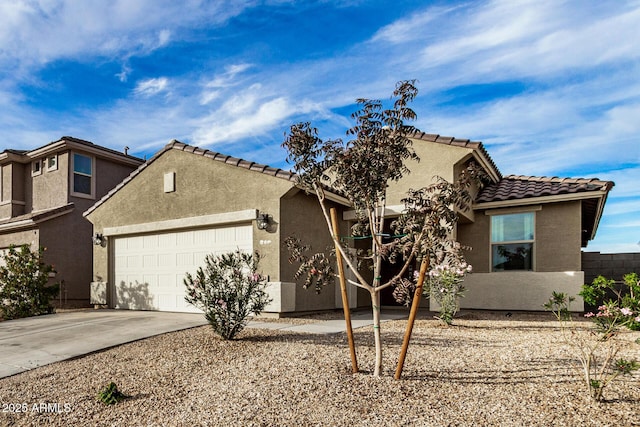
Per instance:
{"type": "Point", "coordinates": [611, 266]}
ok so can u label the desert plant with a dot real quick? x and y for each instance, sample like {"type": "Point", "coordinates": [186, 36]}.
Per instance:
{"type": "Point", "coordinates": [361, 170]}
{"type": "Point", "coordinates": [597, 348]}
{"type": "Point", "coordinates": [228, 290]}
{"type": "Point", "coordinates": [622, 310]}
{"type": "Point", "coordinates": [446, 288]}
{"type": "Point", "coordinates": [110, 395]}
{"type": "Point", "coordinates": [24, 289]}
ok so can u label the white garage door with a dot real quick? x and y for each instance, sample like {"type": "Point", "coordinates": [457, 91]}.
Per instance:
{"type": "Point", "coordinates": [149, 269]}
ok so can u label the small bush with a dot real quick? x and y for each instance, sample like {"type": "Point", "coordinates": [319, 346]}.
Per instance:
{"type": "Point", "coordinates": [228, 289]}
{"type": "Point", "coordinates": [446, 288]}
{"type": "Point", "coordinates": [596, 349]}
{"type": "Point", "coordinates": [110, 395]}
{"type": "Point", "coordinates": [23, 284]}
{"type": "Point", "coordinates": [623, 309]}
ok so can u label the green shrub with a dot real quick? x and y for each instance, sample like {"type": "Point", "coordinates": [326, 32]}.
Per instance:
{"type": "Point", "coordinates": [23, 284]}
{"type": "Point", "coordinates": [110, 395]}
{"type": "Point", "coordinates": [228, 289]}
{"type": "Point", "coordinates": [621, 302]}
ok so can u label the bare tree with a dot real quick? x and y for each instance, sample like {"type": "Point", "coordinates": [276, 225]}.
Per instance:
{"type": "Point", "coordinates": [361, 170]}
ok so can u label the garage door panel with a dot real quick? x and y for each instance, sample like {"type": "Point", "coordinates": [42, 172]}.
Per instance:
{"type": "Point", "coordinates": [150, 269]}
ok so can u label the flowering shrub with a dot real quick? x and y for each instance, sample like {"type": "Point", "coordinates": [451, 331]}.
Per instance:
{"type": "Point", "coordinates": [609, 316]}
{"type": "Point", "coordinates": [24, 289]}
{"type": "Point", "coordinates": [596, 349]}
{"type": "Point", "coordinates": [445, 287]}
{"type": "Point", "coordinates": [228, 290]}
{"type": "Point", "coordinates": [624, 310]}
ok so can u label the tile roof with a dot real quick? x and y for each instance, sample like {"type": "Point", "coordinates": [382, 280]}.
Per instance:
{"type": "Point", "coordinates": [235, 161]}
{"type": "Point", "coordinates": [449, 140]}
{"type": "Point", "coordinates": [515, 187]}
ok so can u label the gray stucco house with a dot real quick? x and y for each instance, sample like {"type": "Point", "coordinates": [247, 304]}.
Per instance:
{"type": "Point", "coordinates": [43, 193]}
{"type": "Point", "coordinates": [526, 232]}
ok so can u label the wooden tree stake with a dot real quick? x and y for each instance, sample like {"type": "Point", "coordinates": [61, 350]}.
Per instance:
{"type": "Point", "coordinates": [343, 291]}
{"type": "Point", "coordinates": [417, 296]}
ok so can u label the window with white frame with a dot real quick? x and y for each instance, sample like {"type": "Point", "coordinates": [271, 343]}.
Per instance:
{"type": "Point", "coordinates": [83, 175]}
{"type": "Point", "coordinates": [512, 241]}
{"type": "Point", "coordinates": [36, 167]}
{"type": "Point", "coordinates": [52, 162]}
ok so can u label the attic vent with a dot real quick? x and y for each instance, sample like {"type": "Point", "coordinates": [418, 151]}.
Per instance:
{"type": "Point", "coordinates": [169, 182]}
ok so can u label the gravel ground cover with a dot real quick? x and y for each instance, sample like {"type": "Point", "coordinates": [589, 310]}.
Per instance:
{"type": "Point", "coordinates": [484, 370]}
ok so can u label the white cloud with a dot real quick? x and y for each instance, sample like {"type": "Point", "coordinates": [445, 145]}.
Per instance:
{"type": "Point", "coordinates": [150, 87]}
{"type": "Point", "coordinates": [226, 79]}
{"type": "Point", "coordinates": [35, 32]}
{"type": "Point", "coordinates": [250, 112]}
{"type": "Point", "coordinates": [123, 75]}
{"type": "Point", "coordinates": [408, 29]}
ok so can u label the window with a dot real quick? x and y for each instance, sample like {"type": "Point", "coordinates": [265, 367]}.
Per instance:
{"type": "Point", "coordinates": [36, 168]}
{"type": "Point", "coordinates": [82, 175]}
{"type": "Point", "coordinates": [52, 163]}
{"type": "Point", "coordinates": [512, 238]}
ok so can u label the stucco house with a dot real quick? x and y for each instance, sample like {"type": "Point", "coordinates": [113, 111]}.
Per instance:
{"type": "Point", "coordinates": [191, 202]}
{"type": "Point", "coordinates": [43, 193]}
{"type": "Point", "coordinates": [526, 232]}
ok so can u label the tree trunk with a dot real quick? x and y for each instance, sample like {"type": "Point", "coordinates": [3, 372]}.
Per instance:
{"type": "Point", "coordinates": [375, 303]}
{"type": "Point", "coordinates": [424, 266]}
{"type": "Point", "coordinates": [343, 292]}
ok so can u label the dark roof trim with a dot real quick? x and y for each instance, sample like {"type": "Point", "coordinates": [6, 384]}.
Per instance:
{"type": "Point", "coordinates": [25, 156]}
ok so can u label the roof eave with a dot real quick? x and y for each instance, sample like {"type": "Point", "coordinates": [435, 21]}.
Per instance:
{"type": "Point", "coordinates": [602, 194]}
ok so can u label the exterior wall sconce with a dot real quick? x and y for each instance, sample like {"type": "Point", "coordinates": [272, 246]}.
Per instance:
{"type": "Point", "coordinates": [98, 239]}
{"type": "Point", "coordinates": [262, 222]}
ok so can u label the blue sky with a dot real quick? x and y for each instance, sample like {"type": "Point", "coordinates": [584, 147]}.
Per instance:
{"type": "Point", "coordinates": [551, 87]}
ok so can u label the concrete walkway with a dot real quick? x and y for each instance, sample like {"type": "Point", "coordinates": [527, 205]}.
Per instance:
{"type": "Point", "coordinates": [37, 341]}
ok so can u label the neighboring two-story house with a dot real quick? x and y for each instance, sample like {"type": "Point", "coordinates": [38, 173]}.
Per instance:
{"type": "Point", "coordinates": [43, 193]}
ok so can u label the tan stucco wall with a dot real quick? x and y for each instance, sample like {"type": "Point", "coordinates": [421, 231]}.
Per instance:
{"type": "Point", "coordinates": [519, 290]}
{"type": "Point", "coordinates": [557, 238]}
{"type": "Point", "coordinates": [49, 189]}
{"type": "Point", "coordinates": [13, 200]}
{"type": "Point", "coordinates": [557, 262]}
{"type": "Point", "coordinates": [435, 160]}
{"type": "Point", "coordinates": [30, 237]}
{"type": "Point", "coordinates": [301, 216]}
{"type": "Point", "coordinates": [203, 187]}
{"type": "Point", "coordinates": [559, 229]}
{"type": "Point", "coordinates": [69, 248]}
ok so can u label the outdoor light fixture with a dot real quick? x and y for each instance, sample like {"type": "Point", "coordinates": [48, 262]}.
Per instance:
{"type": "Point", "coordinates": [262, 221]}
{"type": "Point", "coordinates": [98, 239]}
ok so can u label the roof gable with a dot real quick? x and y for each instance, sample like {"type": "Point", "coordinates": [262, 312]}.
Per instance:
{"type": "Point", "coordinates": [481, 154]}
{"type": "Point", "coordinates": [213, 155]}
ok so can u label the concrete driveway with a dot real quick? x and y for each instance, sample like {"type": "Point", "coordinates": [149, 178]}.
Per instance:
{"type": "Point", "coordinates": [36, 341]}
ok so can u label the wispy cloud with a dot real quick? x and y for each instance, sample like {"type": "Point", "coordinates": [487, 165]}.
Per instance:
{"type": "Point", "coordinates": [150, 87]}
